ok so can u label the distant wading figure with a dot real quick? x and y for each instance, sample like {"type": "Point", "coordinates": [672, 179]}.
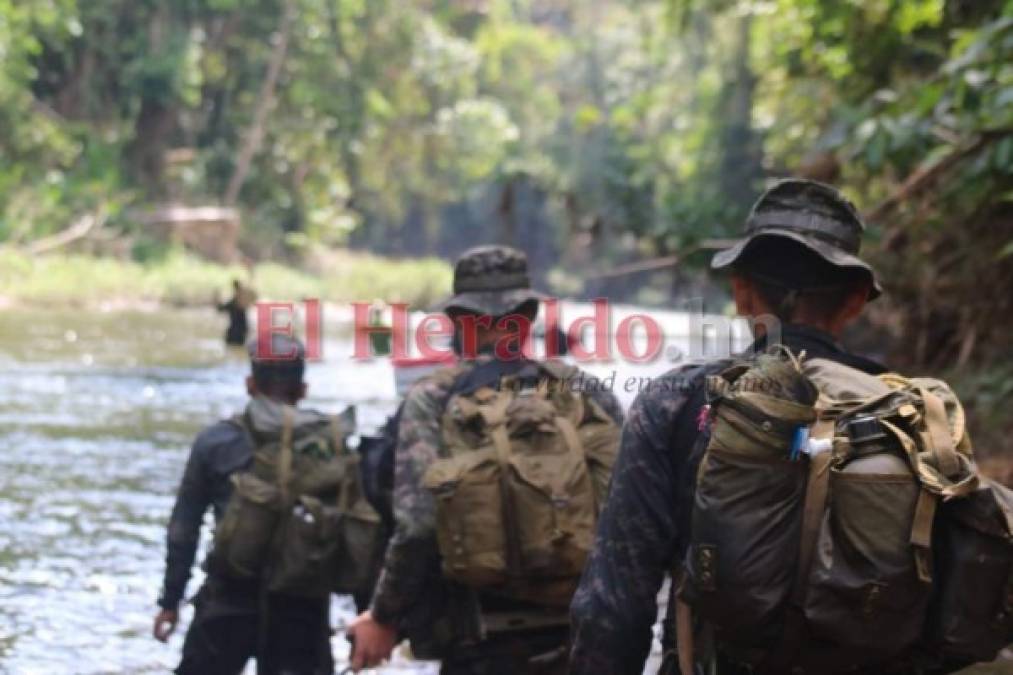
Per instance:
{"type": "Point", "coordinates": [236, 307]}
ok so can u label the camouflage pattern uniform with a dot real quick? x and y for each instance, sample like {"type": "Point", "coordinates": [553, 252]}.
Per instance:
{"type": "Point", "coordinates": [643, 530]}
{"type": "Point", "coordinates": [442, 618]}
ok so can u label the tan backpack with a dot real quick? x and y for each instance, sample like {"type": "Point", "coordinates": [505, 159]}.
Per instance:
{"type": "Point", "coordinates": [298, 519]}
{"type": "Point", "coordinates": [517, 500]}
{"type": "Point", "coordinates": [839, 523]}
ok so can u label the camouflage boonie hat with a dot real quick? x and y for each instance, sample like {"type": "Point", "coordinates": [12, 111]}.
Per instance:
{"type": "Point", "coordinates": [490, 280]}
{"type": "Point", "coordinates": [812, 214]}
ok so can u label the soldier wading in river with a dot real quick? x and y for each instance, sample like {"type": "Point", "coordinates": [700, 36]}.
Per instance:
{"type": "Point", "coordinates": [500, 468]}
{"type": "Point", "coordinates": [274, 476]}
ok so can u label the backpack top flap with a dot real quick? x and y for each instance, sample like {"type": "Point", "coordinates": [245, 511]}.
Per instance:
{"type": "Point", "coordinates": [526, 399]}
{"type": "Point", "coordinates": [923, 415]}
{"type": "Point", "coordinates": [303, 451]}
{"type": "Point", "coordinates": [951, 405]}
{"type": "Point", "coordinates": [840, 383]}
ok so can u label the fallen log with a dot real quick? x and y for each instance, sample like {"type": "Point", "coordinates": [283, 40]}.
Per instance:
{"type": "Point", "coordinates": [78, 230]}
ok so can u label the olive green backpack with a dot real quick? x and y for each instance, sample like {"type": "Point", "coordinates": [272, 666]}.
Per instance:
{"type": "Point", "coordinates": [297, 519]}
{"type": "Point", "coordinates": [839, 523]}
{"type": "Point", "coordinates": [518, 497]}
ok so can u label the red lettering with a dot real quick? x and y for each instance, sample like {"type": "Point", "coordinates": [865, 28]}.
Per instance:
{"type": "Point", "coordinates": [514, 344]}
{"type": "Point", "coordinates": [444, 328]}
{"type": "Point", "coordinates": [363, 328]}
{"type": "Point", "coordinates": [467, 325]}
{"type": "Point", "coordinates": [600, 321]}
{"type": "Point", "coordinates": [314, 323]}
{"type": "Point", "coordinates": [624, 338]}
{"type": "Point", "coordinates": [266, 327]}
{"type": "Point", "coordinates": [552, 332]}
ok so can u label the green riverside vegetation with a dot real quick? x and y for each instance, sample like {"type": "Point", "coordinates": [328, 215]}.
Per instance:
{"type": "Point", "coordinates": [62, 280]}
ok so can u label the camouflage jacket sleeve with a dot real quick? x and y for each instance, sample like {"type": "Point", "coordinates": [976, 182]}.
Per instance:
{"type": "Point", "coordinates": [412, 547]}
{"type": "Point", "coordinates": [616, 604]}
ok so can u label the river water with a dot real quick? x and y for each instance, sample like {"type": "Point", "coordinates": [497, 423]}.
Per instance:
{"type": "Point", "coordinates": [97, 411]}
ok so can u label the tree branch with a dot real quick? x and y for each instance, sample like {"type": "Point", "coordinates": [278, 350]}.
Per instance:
{"type": "Point", "coordinates": [664, 261]}
{"type": "Point", "coordinates": [924, 176]}
{"type": "Point", "coordinates": [265, 101]}
{"type": "Point", "coordinates": [78, 230]}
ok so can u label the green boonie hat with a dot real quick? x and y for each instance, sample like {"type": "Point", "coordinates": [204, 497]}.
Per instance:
{"type": "Point", "coordinates": [812, 214]}
{"type": "Point", "coordinates": [490, 280]}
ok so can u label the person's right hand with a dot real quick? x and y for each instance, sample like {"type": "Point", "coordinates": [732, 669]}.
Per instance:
{"type": "Point", "coordinates": [372, 641]}
{"type": "Point", "coordinates": [165, 624]}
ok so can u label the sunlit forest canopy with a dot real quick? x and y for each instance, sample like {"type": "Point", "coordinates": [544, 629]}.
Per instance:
{"type": "Point", "coordinates": [595, 134]}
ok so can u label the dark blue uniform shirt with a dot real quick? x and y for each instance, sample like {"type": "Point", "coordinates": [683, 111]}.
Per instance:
{"type": "Point", "coordinates": [219, 451]}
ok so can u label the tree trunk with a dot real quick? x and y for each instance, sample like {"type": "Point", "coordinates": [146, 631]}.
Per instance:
{"type": "Point", "coordinates": [506, 209]}
{"type": "Point", "coordinates": [741, 157]}
{"type": "Point", "coordinates": [254, 135]}
{"type": "Point", "coordinates": [157, 118]}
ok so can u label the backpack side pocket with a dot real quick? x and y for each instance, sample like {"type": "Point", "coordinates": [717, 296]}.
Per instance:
{"type": "Point", "coordinates": [746, 521]}
{"type": "Point", "coordinates": [308, 548]}
{"type": "Point", "coordinates": [972, 611]}
{"type": "Point", "coordinates": [242, 542]}
{"type": "Point", "coordinates": [362, 533]}
{"type": "Point", "coordinates": [470, 530]}
{"type": "Point", "coordinates": [553, 503]}
{"type": "Point", "coordinates": [864, 589]}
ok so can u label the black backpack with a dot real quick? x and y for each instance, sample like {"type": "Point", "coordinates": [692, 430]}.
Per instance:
{"type": "Point", "coordinates": [377, 467]}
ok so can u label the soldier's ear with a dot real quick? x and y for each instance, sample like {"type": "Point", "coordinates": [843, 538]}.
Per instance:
{"type": "Point", "coordinates": [854, 303]}
{"type": "Point", "coordinates": [744, 295]}
{"type": "Point", "coordinates": [529, 310]}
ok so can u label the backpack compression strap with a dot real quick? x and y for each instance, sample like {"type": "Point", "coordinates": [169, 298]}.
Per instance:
{"type": "Point", "coordinates": [338, 434]}
{"type": "Point", "coordinates": [495, 417]}
{"type": "Point", "coordinates": [817, 490]}
{"type": "Point", "coordinates": [285, 454]}
{"type": "Point", "coordinates": [937, 435]}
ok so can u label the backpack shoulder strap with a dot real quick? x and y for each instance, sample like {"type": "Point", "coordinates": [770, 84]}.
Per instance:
{"type": "Point", "coordinates": [814, 504]}
{"type": "Point", "coordinates": [558, 370]}
{"type": "Point", "coordinates": [242, 422]}
{"type": "Point", "coordinates": [285, 454]}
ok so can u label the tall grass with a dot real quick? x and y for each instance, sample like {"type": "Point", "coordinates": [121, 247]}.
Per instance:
{"type": "Point", "coordinates": [182, 279]}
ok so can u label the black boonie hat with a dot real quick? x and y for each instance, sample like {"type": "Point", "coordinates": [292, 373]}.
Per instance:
{"type": "Point", "coordinates": [812, 214]}
{"type": "Point", "coordinates": [490, 280]}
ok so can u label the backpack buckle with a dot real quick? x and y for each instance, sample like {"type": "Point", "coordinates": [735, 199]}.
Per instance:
{"type": "Point", "coordinates": [873, 593]}
{"type": "Point", "coordinates": [706, 563]}
{"type": "Point", "coordinates": [865, 429]}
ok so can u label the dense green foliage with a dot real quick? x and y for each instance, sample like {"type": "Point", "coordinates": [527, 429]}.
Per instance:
{"type": "Point", "coordinates": [593, 133]}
